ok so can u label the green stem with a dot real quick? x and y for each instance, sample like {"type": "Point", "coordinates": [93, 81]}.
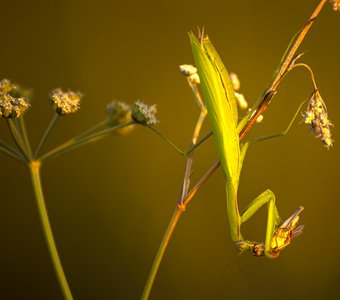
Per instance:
{"type": "Point", "coordinates": [183, 153]}
{"type": "Point", "coordinates": [309, 70]}
{"type": "Point", "coordinates": [164, 138]}
{"type": "Point", "coordinates": [160, 253]}
{"type": "Point", "coordinates": [47, 132]}
{"type": "Point", "coordinates": [92, 129]}
{"type": "Point", "coordinates": [34, 167]}
{"type": "Point", "coordinates": [188, 171]}
{"type": "Point", "coordinates": [10, 151]}
{"type": "Point", "coordinates": [25, 136]}
{"type": "Point", "coordinates": [17, 139]}
{"type": "Point", "coordinates": [183, 201]}
{"type": "Point", "coordinates": [171, 227]}
{"type": "Point", "coordinates": [77, 142]}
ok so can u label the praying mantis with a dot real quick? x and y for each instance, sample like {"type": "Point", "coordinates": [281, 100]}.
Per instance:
{"type": "Point", "coordinates": [219, 97]}
{"type": "Point", "coordinates": [228, 132]}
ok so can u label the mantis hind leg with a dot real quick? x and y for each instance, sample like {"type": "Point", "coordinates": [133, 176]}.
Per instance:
{"type": "Point", "coordinates": [273, 221]}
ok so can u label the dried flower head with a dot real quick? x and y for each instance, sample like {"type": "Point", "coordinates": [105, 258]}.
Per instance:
{"type": "Point", "coordinates": [187, 70]}
{"type": "Point", "coordinates": [118, 113]}
{"type": "Point", "coordinates": [144, 114]}
{"type": "Point", "coordinates": [335, 4]}
{"type": "Point", "coordinates": [190, 72]}
{"type": "Point", "coordinates": [11, 107]}
{"type": "Point", "coordinates": [235, 81]}
{"type": "Point", "coordinates": [316, 117]}
{"type": "Point", "coordinates": [65, 103]}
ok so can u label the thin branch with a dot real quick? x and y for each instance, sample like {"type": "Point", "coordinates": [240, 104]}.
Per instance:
{"type": "Point", "coordinates": [25, 135]}
{"type": "Point", "coordinates": [17, 139]}
{"type": "Point", "coordinates": [48, 130]}
{"type": "Point", "coordinates": [271, 90]}
{"type": "Point", "coordinates": [76, 143]}
{"type": "Point", "coordinates": [10, 151]}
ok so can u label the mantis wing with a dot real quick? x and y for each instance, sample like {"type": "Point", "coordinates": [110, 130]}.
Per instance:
{"type": "Point", "coordinates": [224, 75]}
{"type": "Point", "coordinates": [219, 102]}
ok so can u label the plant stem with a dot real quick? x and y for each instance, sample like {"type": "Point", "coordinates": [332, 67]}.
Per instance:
{"type": "Point", "coordinates": [50, 127]}
{"type": "Point", "coordinates": [25, 136]}
{"type": "Point", "coordinates": [10, 151]}
{"type": "Point", "coordinates": [269, 93]}
{"type": "Point", "coordinates": [172, 145]}
{"type": "Point", "coordinates": [187, 173]}
{"type": "Point", "coordinates": [309, 70]}
{"type": "Point", "coordinates": [17, 139]}
{"type": "Point", "coordinates": [200, 183]}
{"type": "Point", "coordinates": [77, 142]}
{"type": "Point", "coordinates": [34, 167]}
{"type": "Point", "coordinates": [163, 137]}
{"type": "Point", "coordinates": [170, 229]}
{"type": "Point", "coordinates": [92, 129]}
{"type": "Point", "coordinates": [179, 208]}
{"type": "Point", "coordinates": [160, 253]}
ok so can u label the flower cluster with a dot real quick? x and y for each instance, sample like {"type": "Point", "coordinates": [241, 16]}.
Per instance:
{"type": "Point", "coordinates": [65, 103]}
{"type": "Point", "coordinates": [11, 107]}
{"type": "Point", "coordinates": [190, 72]}
{"type": "Point", "coordinates": [335, 4]}
{"type": "Point", "coordinates": [316, 117]}
{"type": "Point", "coordinates": [144, 114]}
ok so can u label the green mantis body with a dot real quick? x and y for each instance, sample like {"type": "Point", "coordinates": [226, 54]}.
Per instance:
{"type": "Point", "coordinates": [221, 105]}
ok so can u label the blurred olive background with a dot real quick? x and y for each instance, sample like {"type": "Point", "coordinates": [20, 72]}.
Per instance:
{"type": "Point", "coordinates": [110, 202]}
